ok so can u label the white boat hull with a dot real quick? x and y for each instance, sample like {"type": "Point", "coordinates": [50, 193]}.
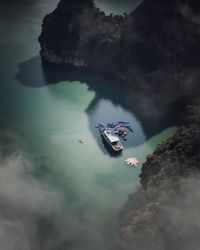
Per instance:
{"type": "Point", "coordinates": [117, 147]}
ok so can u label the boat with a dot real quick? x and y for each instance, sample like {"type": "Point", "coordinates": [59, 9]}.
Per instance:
{"type": "Point", "coordinates": [111, 139]}
{"type": "Point", "coordinates": [122, 132]}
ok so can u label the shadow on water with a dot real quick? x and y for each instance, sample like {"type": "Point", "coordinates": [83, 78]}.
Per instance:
{"type": "Point", "coordinates": [152, 120]}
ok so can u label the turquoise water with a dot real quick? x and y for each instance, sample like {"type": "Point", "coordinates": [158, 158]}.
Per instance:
{"type": "Point", "coordinates": [51, 119]}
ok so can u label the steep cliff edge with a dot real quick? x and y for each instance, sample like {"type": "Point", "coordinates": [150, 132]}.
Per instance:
{"type": "Point", "coordinates": [77, 33]}
{"type": "Point", "coordinates": [155, 50]}
{"type": "Point", "coordinates": [163, 215]}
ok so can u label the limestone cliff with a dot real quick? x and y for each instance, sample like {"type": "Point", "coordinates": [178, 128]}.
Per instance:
{"type": "Point", "coordinates": [155, 49]}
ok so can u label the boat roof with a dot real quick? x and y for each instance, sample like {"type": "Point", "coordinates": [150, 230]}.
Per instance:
{"type": "Point", "coordinates": [111, 136]}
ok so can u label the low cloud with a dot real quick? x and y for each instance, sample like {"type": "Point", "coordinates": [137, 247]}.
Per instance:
{"type": "Point", "coordinates": [182, 215]}
{"type": "Point", "coordinates": [34, 211]}
{"type": "Point", "coordinates": [24, 200]}
{"type": "Point", "coordinates": [170, 222]}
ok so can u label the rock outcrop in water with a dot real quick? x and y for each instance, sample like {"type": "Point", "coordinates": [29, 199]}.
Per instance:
{"type": "Point", "coordinates": [155, 50]}
{"type": "Point", "coordinates": [79, 34]}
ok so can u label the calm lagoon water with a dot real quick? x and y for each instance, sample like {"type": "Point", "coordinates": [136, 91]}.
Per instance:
{"type": "Point", "coordinates": [52, 118]}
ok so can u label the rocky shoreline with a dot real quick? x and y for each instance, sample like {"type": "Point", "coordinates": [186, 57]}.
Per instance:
{"type": "Point", "coordinates": [155, 51]}
{"type": "Point", "coordinates": [169, 178]}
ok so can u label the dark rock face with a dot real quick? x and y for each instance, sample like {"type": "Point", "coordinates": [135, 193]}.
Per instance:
{"type": "Point", "coordinates": [79, 34]}
{"type": "Point", "coordinates": [163, 215]}
{"type": "Point", "coordinates": [155, 50]}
